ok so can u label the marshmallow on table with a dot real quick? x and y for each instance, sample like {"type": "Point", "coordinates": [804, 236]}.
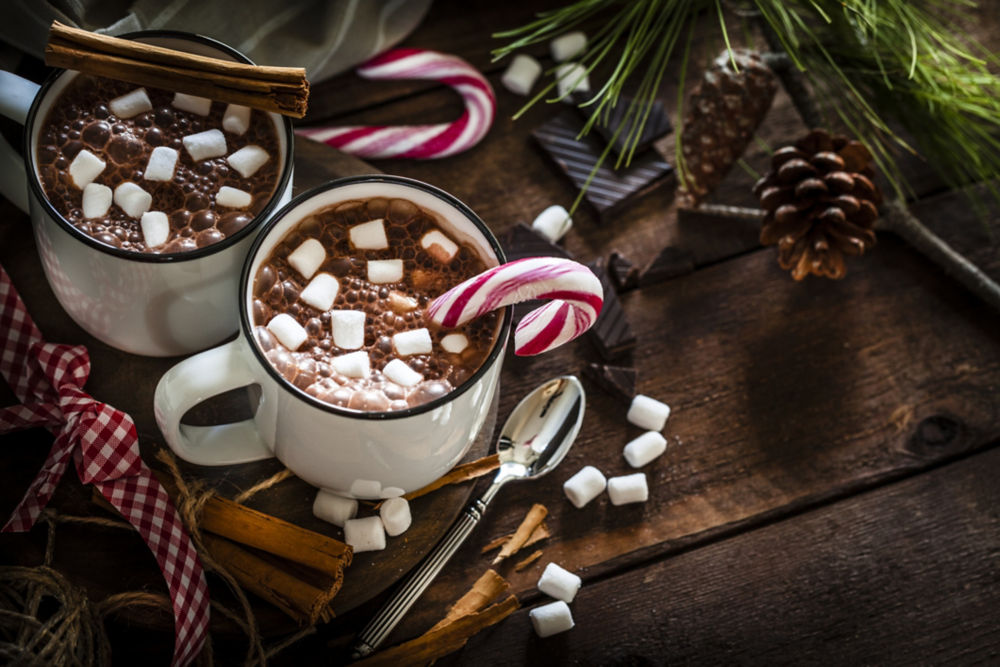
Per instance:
{"type": "Point", "coordinates": [559, 583]}
{"type": "Point", "coordinates": [521, 74]}
{"type": "Point", "coordinates": [205, 145]}
{"type": "Point", "coordinates": [352, 364]}
{"type": "Point", "coordinates": [85, 167]}
{"type": "Point", "coordinates": [130, 104]}
{"type": "Point", "coordinates": [236, 119]}
{"type": "Point", "coordinates": [334, 509]}
{"type": "Point", "coordinates": [287, 330]}
{"type": "Point", "coordinates": [553, 223]}
{"type": "Point", "coordinates": [96, 200]}
{"type": "Point", "coordinates": [367, 534]}
{"type": "Point", "coordinates": [307, 257]}
{"type": "Point", "coordinates": [232, 197]}
{"type": "Point", "coordinates": [572, 78]}
{"type": "Point", "coordinates": [248, 160]}
{"type": "Point", "coordinates": [321, 291]}
{"type": "Point", "coordinates": [161, 164]}
{"type": "Point", "coordinates": [584, 486]}
{"type": "Point", "coordinates": [645, 448]}
{"type": "Point", "coordinates": [399, 372]}
{"type": "Point", "coordinates": [395, 515]}
{"type": "Point", "coordinates": [628, 489]}
{"type": "Point", "coordinates": [454, 343]}
{"type": "Point", "coordinates": [550, 619]}
{"type": "Point", "coordinates": [369, 235]}
{"type": "Point", "coordinates": [192, 103]}
{"type": "Point", "coordinates": [385, 270]}
{"type": "Point", "coordinates": [439, 246]}
{"type": "Point", "coordinates": [417, 341]}
{"type": "Point", "coordinates": [568, 46]}
{"type": "Point", "coordinates": [648, 413]}
{"type": "Point", "coordinates": [132, 199]}
{"type": "Point", "coordinates": [348, 328]}
{"type": "Point", "coordinates": [155, 228]}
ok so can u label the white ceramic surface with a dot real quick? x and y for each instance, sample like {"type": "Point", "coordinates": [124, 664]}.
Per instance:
{"type": "Point", "coordinates": [155, 305]}
{"type": "Point", "coordinates": [365, 455]}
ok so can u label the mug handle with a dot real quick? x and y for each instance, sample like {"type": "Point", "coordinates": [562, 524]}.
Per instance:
{"type": "Point", "coordinates": [15, 100]}
{"type": "Point", "coordinates": [197, 379]}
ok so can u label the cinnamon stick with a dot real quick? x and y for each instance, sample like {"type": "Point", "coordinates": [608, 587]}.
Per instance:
{"type": "Point", "coordinates": [531, 521]}
{"type": "Point", "coordinates": [523, 564]}
{"type": "Point", "coordinates": [540, 533]}
{"type": "Point", "coordinates": [488, 587]}
{"type": "Point", "coordinates": [284, 90]}
{"type": "Point", "coordinates": [460, 473]}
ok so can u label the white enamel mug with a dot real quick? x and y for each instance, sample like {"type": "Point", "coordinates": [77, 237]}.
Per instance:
{"type": "Point", "coordinates": [366, 455]}
{"type": "Point", "coordinates": [150, 304]}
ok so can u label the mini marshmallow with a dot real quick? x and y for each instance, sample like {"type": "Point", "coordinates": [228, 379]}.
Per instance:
{"type": "Point", "coordinates": [571, 78]}
{"type": "Point", "coordinates": [553, 223]}
{"type": "Point", "coordinates": [132, 199]}
{"type": "Point", "coordinates": [551, 619]}
{"type": "Point", "coordinates": [192, 103]}
{"type": "Point", "coordinates": [400, 303]}
{"type": "Point", "coordinates": [307, 257]}
{"type": "Point", "coordinates": [130, 104]}
{"type": "Point", "coordinates": [321, 291]}
{"type": "Point", "coordinates": [161, 164]}
{"type": "Point", "coordinates": [205, 145]}
{"type": "Point", "coordinates": [395, 515]}
{"type": "Point", "coordinates": [96, 200]}
{"type": "Point", "coordinates": [584, 486]}
{"type": "Point", "coordinates": [248, 160]}
{"type": "Point", "coordinates": [233, 197]}
{"type": "Point", "coordinates": [348, 328]}
{"type": "Point", "coordinates": [417, 341]}
{"type": "Point", "coordinates": [628, 489]}
{"type": "Point", "coordinates": [568, 46]}
{"type": "Point", "coordinates": [352, 364]}
{"type": "Point", "coordinates": [521, 74]}
{"type": "Point", "coordinates": [399, 372]}
{"type": "Point", "coordinates": [385, 270]}
{"type": "Point", "coordinates": [439, 246]}
{"type": "Point", "coordinates": [334, 509]}
{"type": "Point", "coordinates": [85, 167]}
{"type": "Point", "coordinates": [155, 228]}
{"type": "Point", "coordinates": [236, 119]}
{"type": "Point", "coordinates": [287, 330]}
{"type": "Point", "coordinates": [648, 413]}
{"type": "Point", "coordinates": [367, 534]}
{"type": "Point", "coordinates": [369, 235]}
{"type": "Point", "coordinates": [645, 448]}
{"type": "Point", "coordinates": [454, 343]}
{"type": "Point", "coordinates": [559, 583]}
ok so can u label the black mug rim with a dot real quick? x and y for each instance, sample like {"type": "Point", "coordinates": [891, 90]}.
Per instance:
{"type": "Point", "coordinates": [499, 344]}
{"type": "Point", "coordinates": [153, 258]}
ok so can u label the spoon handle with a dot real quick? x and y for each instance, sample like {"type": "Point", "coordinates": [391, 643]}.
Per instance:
{"type": "Point", "coordinates": [396, 607]}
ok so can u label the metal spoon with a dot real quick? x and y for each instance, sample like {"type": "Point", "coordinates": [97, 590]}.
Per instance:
{"type": "Point", "coordinates": [534, 439]}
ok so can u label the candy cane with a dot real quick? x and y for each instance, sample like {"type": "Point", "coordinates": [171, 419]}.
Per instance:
{"type": "Point", "coordinates": [577, 293]}
{"type": "Point", "coordinates": [423, 142]}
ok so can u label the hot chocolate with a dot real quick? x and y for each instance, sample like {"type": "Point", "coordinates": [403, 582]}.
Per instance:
{"type": "Point", "coordinates": [153, 171]}
{"type": "Point", "coordinates": [338, 306]}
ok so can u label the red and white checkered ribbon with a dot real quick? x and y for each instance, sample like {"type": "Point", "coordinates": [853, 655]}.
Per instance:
{"type": "Point", "coordinates": [48, 379]}
{"type": "Point", "coordinates": [422, 142]}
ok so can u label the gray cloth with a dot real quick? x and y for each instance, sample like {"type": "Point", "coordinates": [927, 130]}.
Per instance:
{"type": "Point", "coordinates": [324, 36]}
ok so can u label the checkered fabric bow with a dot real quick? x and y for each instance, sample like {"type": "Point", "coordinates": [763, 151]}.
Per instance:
{"type": "Point", "coordinates": [48, 380]}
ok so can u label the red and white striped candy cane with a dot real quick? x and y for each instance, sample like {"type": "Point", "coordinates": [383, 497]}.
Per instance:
{"type": "Point", "coordinates": [422, 142]}
{"type": "Point", "coordinates": [576, 292]}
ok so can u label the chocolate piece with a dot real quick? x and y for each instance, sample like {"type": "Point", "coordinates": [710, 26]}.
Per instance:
{"type": "Point", "coordinates": [670, 263]}
{"type": "Point", "coordinates": [522, 241]}
{"type": "Point", "coordinates": [657, 124]}
{"type": "Point", "coordinates": [619, 381]}
{"type": "Point", "coordinates": [611, 333]}
{"type": "Point", "coordinates": [609, 188]}
{"type": "Point", "coordinates": [623, 271]}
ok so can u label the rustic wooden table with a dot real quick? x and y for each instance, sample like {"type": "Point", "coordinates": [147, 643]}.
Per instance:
{"type": "Point", "coordinates": [830, 492]}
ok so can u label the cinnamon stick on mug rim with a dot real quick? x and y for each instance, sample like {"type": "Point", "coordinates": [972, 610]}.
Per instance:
{"type": "Point", "coordinates": [283, 90]}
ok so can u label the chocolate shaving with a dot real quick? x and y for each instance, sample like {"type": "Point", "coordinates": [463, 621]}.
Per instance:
{"type": "Point", "coordinates": [670, 263]}
{"type": "Point", "coordinates": [531, 521]}
{"type": "Point", "coordinates": [657, 125]}
{"type": "Point", "coordinates": [619, 381]}
{"type": "Point", "coordinates": [460, 473]}
{"type": "Point", "coordinates": [611, 333]}
{"type": "Point", "coordinates": [623, 271]}
{"type": "Point", "coordinates": [523, 564]}
{"type": "Point", "coordinates": [488, 587]}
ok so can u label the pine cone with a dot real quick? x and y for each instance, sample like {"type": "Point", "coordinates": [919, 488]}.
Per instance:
{"type": "Point", "coordinates": [821, 204]}
{"type": "Point", "coordinates": [725, 110]}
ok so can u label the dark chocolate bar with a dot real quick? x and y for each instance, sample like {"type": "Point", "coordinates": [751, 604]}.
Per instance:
{"type": "Point", "coordinates": [611, 334]}
{"type": "Point", "coordinates": [670, 263]}
{"type": "Point", "coordinates": [623, 271]}
{"type": "Point", "coordinates": [619, 381]}
{"type": "Point", "coordinates": [657, 124]}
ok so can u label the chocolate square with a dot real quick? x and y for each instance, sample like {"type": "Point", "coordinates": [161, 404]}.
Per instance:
{"type": "Point", "coordinates": [657, 124]}
{"type": "Point", "coordinates": [619, 381]}
{"type": "Point", "coordinates": [611, 333]}
{"type": "Point", "coordinates": [623, 271]}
